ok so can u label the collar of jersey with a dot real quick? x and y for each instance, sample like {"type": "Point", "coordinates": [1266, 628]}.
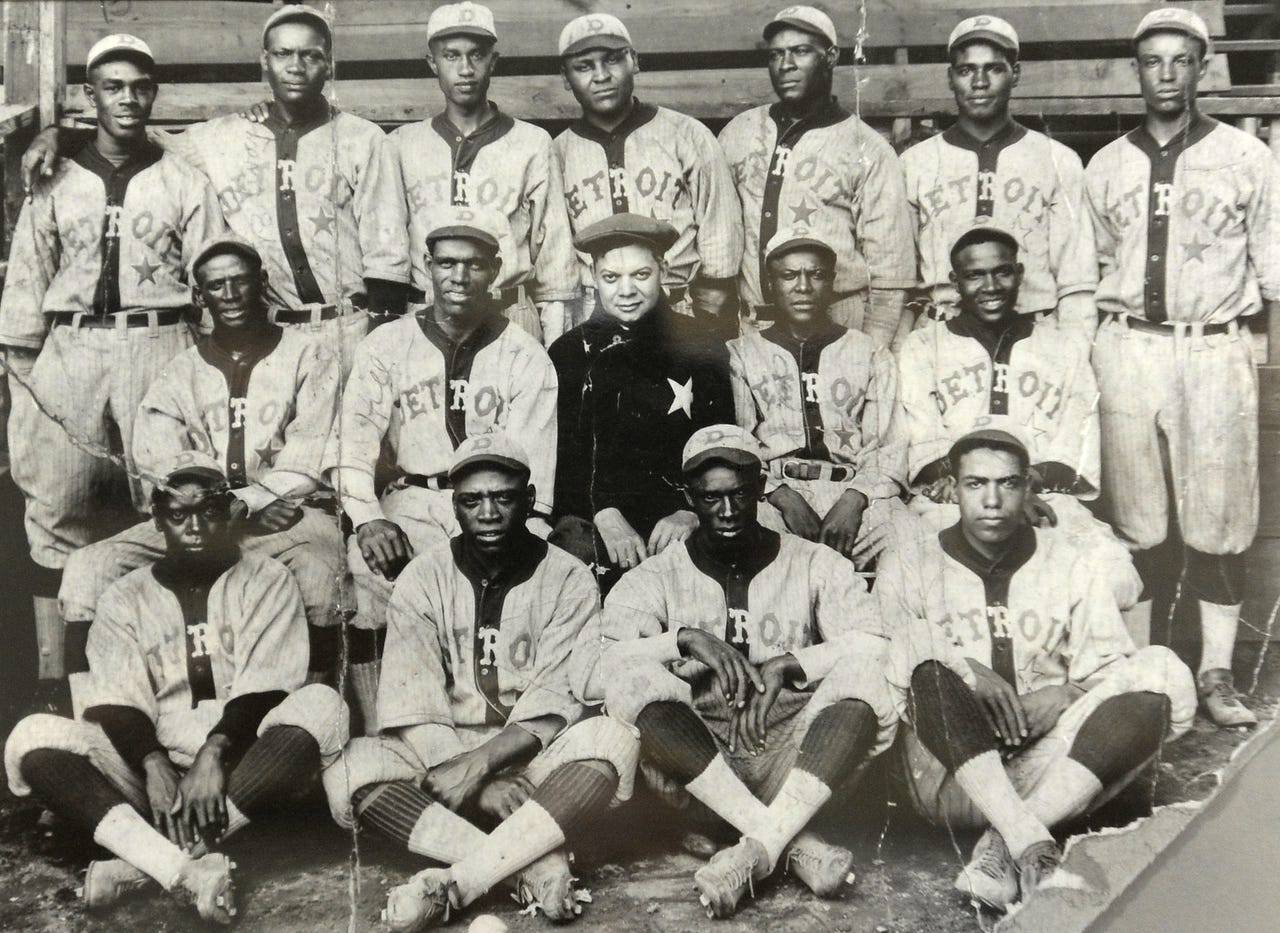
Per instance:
{"type": "Point", "coordinates": [1198, 128]}
{"type": "Point", "coordinates": [1021, 546]}
{"type": "Point", "coordinates": [1020, 328]}
{"type": "Point", "coordinates": [1007, 135]}
{"type": "Point", "coordinates": [759, 550]}
{"type": "Point", "coordinates": [276, 122]}
{"type": "Point", "coordinates": [488, 331]}
{"type": "Point", "coordinates": [173, 575]}
{"type": "Point", "coordinates": [497, 126]}
{"type": "Point", "coordinates": [523, 556]}
{"type": "Point", "coordinates": [212, 352]}
{"type": "Point", "coordinates": [827, 333]}
{"type": "Point", "coordinates": [146, 155]}
{"type": "Point", "coordinates": [829, 114]}
{"type": "Point", "coordinates": [640, 115]}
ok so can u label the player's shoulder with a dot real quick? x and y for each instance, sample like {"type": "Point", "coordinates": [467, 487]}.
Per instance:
{"type": "Point", "coordinates": [747, 123]}
{"type": "Point", "coordinates": [1105, 160]}
{"type": "Point", "coordinates": [524, 345]}
{"type": "Point", "coordinates": [795, 551]}
{"type": "Point", "coordinates": [929, 149]}
{"type": "Point", "coordinates": [391, 338]}
{"type": "Point", "coordinates": [666, 120]}
{"type": "Point", "coordinates": [258, 571]}
{"type": "Point", "coordinates": [348, 123]}
{"type": "Point", "coordinates": [414, 134]}
{"type": "Point", "coordinates": [924, 338]}
{"type": "Point", "coordinates": [176, 168]}
{"type": "Point", "coordinates": [559, 564]}
{"type": "Point", "coordinates": [856, 343]}
{"type": "Point", "coordinates": [524, 133]}
{"type": "Point", "coordinates": [1229, 143]}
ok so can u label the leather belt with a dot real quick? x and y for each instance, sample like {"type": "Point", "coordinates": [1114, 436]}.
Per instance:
{"type": "Point", "coordinates": [307, 314]}
{"type": "Point", "coordinates": [121, 319]}
{"type": "Point", "coordinates": [1168, 328]}
{"type": "Point", "coordinates": [811, 470]}
{"type": "Point", "coordinates": [437, 482]}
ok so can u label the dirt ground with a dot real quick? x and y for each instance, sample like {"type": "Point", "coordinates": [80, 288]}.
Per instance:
{"type": "Point", "coordinates": [305, 874]}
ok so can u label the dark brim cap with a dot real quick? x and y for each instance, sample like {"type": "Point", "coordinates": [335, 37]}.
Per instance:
{"type": "Point", "coordinates": [623, 230]}
{"type": "Point", "coordinates": [464, 232]}
{"type": "Point", "coordinates": [983, 233]}
{"type": "Point", "coordinates": [989, 437]}
{"type": "Point", "coordinates": [219, 245]}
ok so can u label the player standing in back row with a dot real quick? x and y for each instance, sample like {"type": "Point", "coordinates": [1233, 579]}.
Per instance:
{"type": "Point", "coordinates": [806, 161]}
{"type": "Point", "coordinates": [1184, 215]}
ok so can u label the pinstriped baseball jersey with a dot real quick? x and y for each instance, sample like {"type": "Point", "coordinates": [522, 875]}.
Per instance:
{"type": "Point", "coordinates": [787, 595]}
{"type": "Point", "coordinates": [1022, 181]}
{"type": "Point", "coordinates": [661, 164]}
{"type": "Point", "coordinates": [423, 394]}
{"type": "Point", "coordinates": [952, 373]}
{"type": "Point", "coordinates": [470, 653]}
{"type": "Point", "coordinates": [507, 168]}
{"type": "Point", "coordinates": [830, 172]}
{"type": "Point", "coordinates": [830, 397]}
{"type": "Point", "coordinates": [178, 648]}
{"type": "Point", "coordinates": [321, 200]}
{"type": "Point", "coordinates": [1189, 231]}
{"type": "Point", "coordinates": [99, 239]}
{"type": "Point", "coordinates": [265, 416]}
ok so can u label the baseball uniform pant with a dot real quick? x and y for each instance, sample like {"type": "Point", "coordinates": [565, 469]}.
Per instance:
{"type": "Point", "coordinates": [938, 797]}
{"type": "Point", "coordinates": [381, 759]}
{"type": "Point", "coordinates": [339, 335]}
{"type": "Point", "coordinates": [885, 522]}
{"type": "Point", "coordinates": [90, 381]}
{"type": "Point", "coordinates": [1194, 396]}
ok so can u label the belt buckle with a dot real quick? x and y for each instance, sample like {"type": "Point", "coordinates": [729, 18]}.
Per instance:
{"type": "Point", "coordinates": [800, 469]}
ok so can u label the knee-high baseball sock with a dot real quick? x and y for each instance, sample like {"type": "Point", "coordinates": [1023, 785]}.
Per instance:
{"type": "Point", "coordinates": [1218, 626]}
{"type": "Point", "coordinates": [74, 788]}
{"type": "Point", "coordinates": [679, 744]}
{"type": "Point", "coordinates": [274, 770]}
{"type": "Point", "coordinates": [326, 653]}
{"type": "Point", "coordinates": [949, 723]}
{"type": "Point", "coordinates": [573, 793]}
{"type": "Point", "coordinates": [405, 813]}
{"type": "Point", "coordinates": [364, 656]}
{"type": "Point", "coordinates": [76, 662]}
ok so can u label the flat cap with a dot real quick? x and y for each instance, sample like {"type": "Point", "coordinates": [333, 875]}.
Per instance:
{"type": "Point", "coordinates": [461, 19]}
{"type": "Point", "coordinates": [495, 448]}
{"type": "Point", "coordinates": [297, 12]}
{"type": "Point", "coordinates": [805, 18]}
{"type": "Point", "coordinates": [119, 45]}
{"type": "Point", "coordinates": [993, 29]}
{"type": "Point", "coordinates": [594, 31]}
{"type": "Point", "coordinates": [726, 442]}
{"type": "Point", "coordinates": [623, 229]}
{"type": "Point", "coordinates": [1175, 19]}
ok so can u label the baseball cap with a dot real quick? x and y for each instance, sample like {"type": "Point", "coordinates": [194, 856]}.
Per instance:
{"type": "Point", "coordinates": [991, 29]}
{"type": "Point", "coordinates": [298, 11]}
{"type": "Point", "coordinates": [1175, 19]}
{"type": "Point", "coordinates": [805, 18]}
{"type": "Point", "coordinates": [999, 431]}
{"type": "Point", "coordinates": [793, 238]}
{"type": "Point", "coordinates": [983, 233]}
{"type": "Point", "coordinates": [461, 19]}
{"type": "Point", "coordinates": [622, 229]}
{"type": "Point", "coordinates": [458, 222]}
{"type": "Point", "coordinates": [594, 31]}
{"type": "Point", "coordinates": [726, 442]}
{"type": "Point", "coordinates": [191, 464]}
{"type": "Point", "coordinates": [118, 45]}
{"type": "Point", "coordinates": [494, 448]}
{"type": "Point", "coordinates": [225, 243]}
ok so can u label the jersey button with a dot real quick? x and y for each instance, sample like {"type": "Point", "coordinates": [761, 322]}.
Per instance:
{"type": "Point", "coordinates": [768, 213]}
{"type": "Point", "coordinates": [235, 466]}
{"type": "Point", "coordinates": [1155, 257]}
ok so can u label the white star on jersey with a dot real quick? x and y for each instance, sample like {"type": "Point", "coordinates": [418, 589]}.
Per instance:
{"type": "Point", "coordinates": [682, 397]}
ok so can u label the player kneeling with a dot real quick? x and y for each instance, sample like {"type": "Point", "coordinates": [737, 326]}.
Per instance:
{"type": "Point", "coordinates": [479, 719]}
{"type": "Point", "coordinates": [752, 664]}
{"type": "Point", "coordinates": [197, 714]}
{"type": "Point", "coordinates": [1026, 702]}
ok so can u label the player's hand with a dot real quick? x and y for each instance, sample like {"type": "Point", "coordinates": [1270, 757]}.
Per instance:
{"type": "Point", "coordinates": [1038, 512]}
{"type": "Point", "coordinates": [277, 515]}
{"type": "Point", "coordinates": [941, 490]}
{"type": "Point", "coordinates": [258, 113]}
{"type": "Point", "coordinates": [162, 789]}
{"type": "Point", "coordinates": [677, 526]}
{"type": "Point", "coordinates": [1001, 704]}
{"type": "Point", "coordinates": [843, 521]}
{"type": "Point", "coordinates": [1044, 707]}
{"type": "Point", "coordinates": [504, 795]}
{"type": "Point", "coordinates": [40, 159]}
{"type": "Point", "coordinates": [626, 549]}
{"type": "Point", "coordinates": [736, 677]}
{"type": "Point", "coordinates": [776, 674]}
{"type": "Point", "coordinates": [797, 514]}
{"type": "Point", "coordinates": [457, 780]}
{"type": "Point", "coordinates": [384, 547]}
{"type": "Point", "coordinates": [200, 807]}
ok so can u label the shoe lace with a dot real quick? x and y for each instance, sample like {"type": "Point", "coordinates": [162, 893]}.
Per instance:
{"type": "Point", "coordinates": [740, 876]}
{"type": "Point", "coordinates": [1223, 692]}
{"type": "Point", "coordinates": [1044, 860]}
{"type": "Point", "coordinates": [992, 860]}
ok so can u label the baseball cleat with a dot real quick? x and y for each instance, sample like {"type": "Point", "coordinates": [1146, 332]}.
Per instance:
{"type": "Point", "coordinates": [822, 867]}
{"type": "Point", "coordinates": [423, 901]}
{"type": "Point", "coordinates": [206, 883]}
{"type": "Point", "coordinates": [548, 882]}
{"type": "Point", "coordinates": [722, 881]}
{"type": "Point", "coordinates": [1220, 702]}
{"type": "Point", "coordinates": [991, 876]}
{"type": "Point", "coordinates": [1038, 862]}
{"type": "Point", "coordinates": [108, 880]}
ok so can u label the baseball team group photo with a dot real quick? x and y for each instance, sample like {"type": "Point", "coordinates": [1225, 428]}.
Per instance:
{"type": "Point", "coordinates": [646, 466]}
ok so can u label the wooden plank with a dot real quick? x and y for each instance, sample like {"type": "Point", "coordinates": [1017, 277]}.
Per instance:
{"type": "Point", "coordinates": [22, 72]}
{"type": "Point", "coordinates": [53, 66]}
{"type": "Point", "coordinates": [1269, 482]}
{"type": "Point", "coordinates": [714, 94]}
{"type": "Point", "coordinates": [16, 116]}
{"type": "Point", "coordinates": [208, 31]}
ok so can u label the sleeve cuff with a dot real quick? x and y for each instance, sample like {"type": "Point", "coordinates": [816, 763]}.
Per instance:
{"type": "Point", "coordinates": [441, 742]}
{"type": "Point", "coordinates": [654, 649]}
{"type": "Point", "coordinates": [815, 661]}
{"type": "Point", "coordinates": [932, 472]}
{"type": "Point", "coordinates": [255, 497]}
{"type": "Point", "coordinates": [362, 512]}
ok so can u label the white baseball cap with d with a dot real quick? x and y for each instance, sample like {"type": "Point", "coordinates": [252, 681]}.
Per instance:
{"type": "Point", "coordinates": [461, 19]}
{"type": "Point", "coordinates": [1175, 19]}
{"type": "Point", "coordinates": [594, 31]}
{"type": "Point", "coordinates": [991, 29]}
{"type": "Point", "coordinates": [495, 448]}
{"type": "Point", "coordinates": [805, 18]}
{"type": "Point", "coordinates": [726, 442]}
{"type": "Point", "coordinates": [118, 44]}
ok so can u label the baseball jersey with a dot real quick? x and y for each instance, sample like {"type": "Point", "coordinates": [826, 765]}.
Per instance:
{"type": "Point", "coordinates": [641, 401]}
{"type": "Point", "coordinates": [507, 169]}
{"type": "Point", "coordinates": [661, 164]}
{"type": "Point", "coordinates": [1019, 180]}
{"type": "Point", "coordinates": [179, 649]}
{"type": "Point", "coordinates": [99, 239]}
{"type": "Point", "coordinates": [1039, 616]}
{"type": "Point", "coordinates": [953, 373]}
{"type": "Point", "coordinates": [830, 397]}
{"type": "Point", "coordinates": [469, 653]}
{"type": "Point", "coordinates": [833, 173]}
{"type": "Point", "coordinates": [422, 393]}
{"type": "Point", "coordinates": [1188, 231]}
{"type": "Point", "coordinates": [265, 415]}
{"type": "Point", "coordinates": [786, 596]}
{"type": "Point", "coordinates": [320, 199]}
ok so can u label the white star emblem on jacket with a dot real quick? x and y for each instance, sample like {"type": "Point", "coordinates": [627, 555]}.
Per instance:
{"type": "Point", "coordinates": [682, 397]}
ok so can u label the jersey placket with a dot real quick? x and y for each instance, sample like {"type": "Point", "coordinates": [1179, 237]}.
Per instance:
{"type": "Point", "coordinates": [735, 581]}
{"type": "Point", "coordinates": [459, 358]}
{"type": "Point", "coordinates": [614, 145]}
{"type": "Point", "coordinates": [463, 149]}
{"type": "Point", "coordinates": [237, 371]}
{"type": "Point", "coordinates": [287, 137]}
{"type": "Point", "coordinates": [193, 601]}
{"type": "Point", "coordinates": [988, 153]}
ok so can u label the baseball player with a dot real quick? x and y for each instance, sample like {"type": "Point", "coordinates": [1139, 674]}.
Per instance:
{"type": "Point", "coordinates": [259, 399]}
{"type": "Point", "coordinates": [480, 718]}
{"type": "Point", "coordinates": [198, 720]}
{"type": "Point", "coordinates": [1185, 217]}
{"type": "Point", "coordinates": [750, 662]}
{"type": "Point", "coordinates": [989, 168]}
{"type": "Point", "coordinates": [807, 161]}
{"type": "Point", "coordinates": [420, 387]}
{"type": "Point", "coordinates": [989, 364]}
{"type": "Point", "coordinates": [95, 304]}
{"type": "Point", "coordinates": [624, 156]}
{"type": "Point", "coordinates": [640, 386]}
{"type": "Point", "coordinates": [819, 398]}
{"type": "Point", "coordinates": [316, 190]}
{"type": "Point", "coordinates": [1024, 702]}
{"type": "Point", "coordinates": [474, 155]}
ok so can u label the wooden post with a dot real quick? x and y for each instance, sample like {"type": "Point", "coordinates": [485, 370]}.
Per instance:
{"type": "Point", "coordinates": [52, 75]}
{"type": "Point", "coordinates": [901, 132]}
{"type": "Point", "coordinates": [21, 85]}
